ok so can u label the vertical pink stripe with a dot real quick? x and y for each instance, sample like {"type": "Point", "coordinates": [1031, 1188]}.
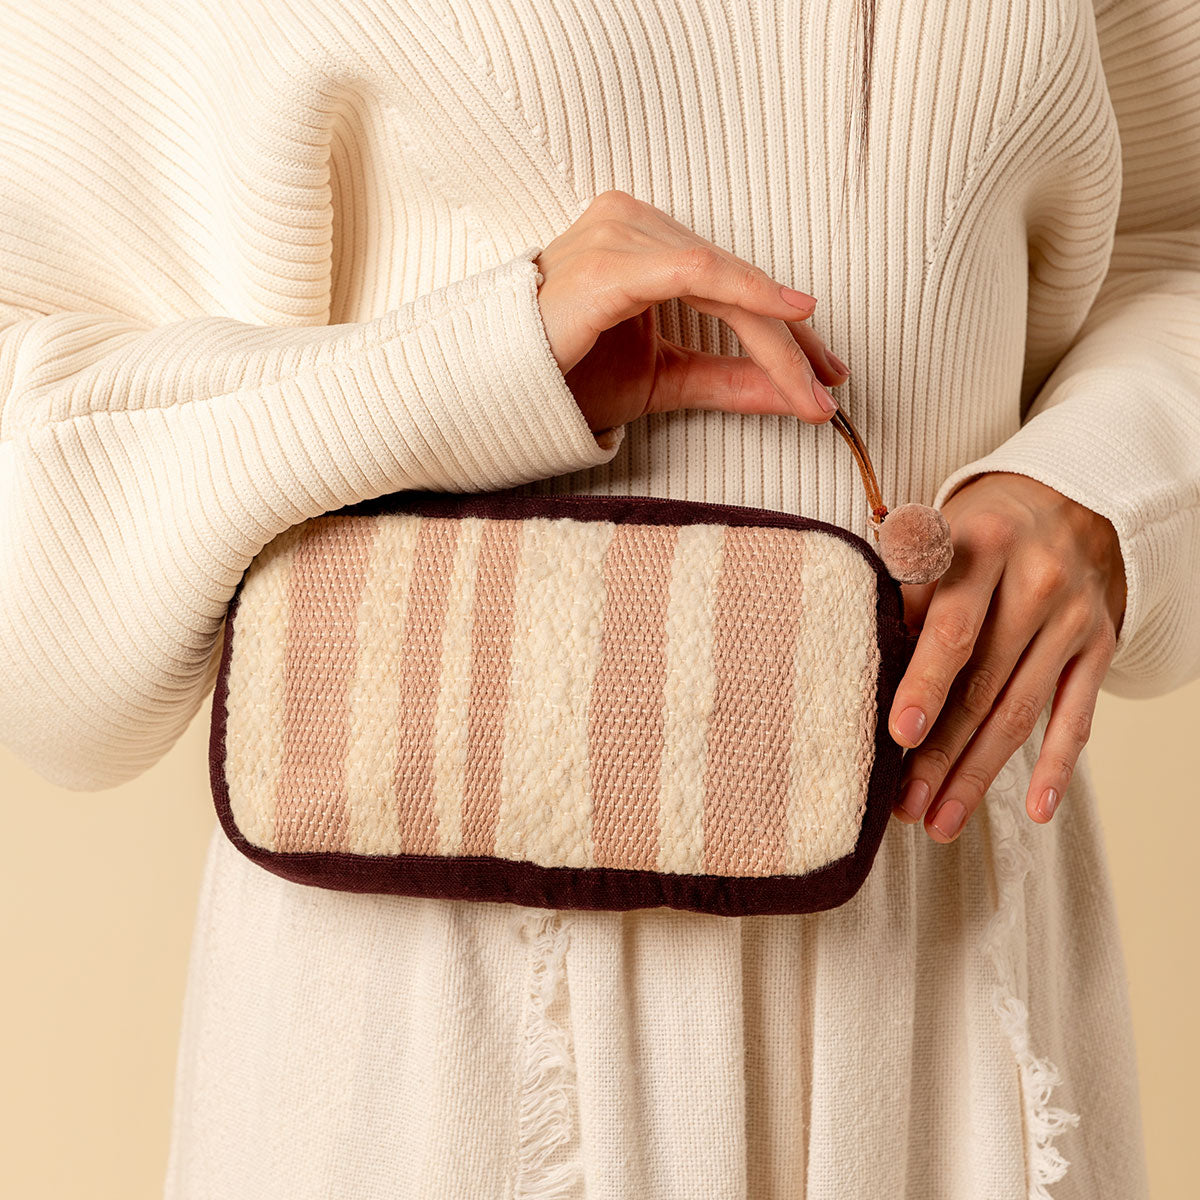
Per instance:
{"type": "Point", "coordinates": [755, 625]}
{"type": "Point", "coordinates": [625, 717]}
{"type": "Point", "coordinates": [491, 672]}
{"type": "Point", "coordinates": [328, 570]}
{"type": "Point", "coordinates": [420, 682]}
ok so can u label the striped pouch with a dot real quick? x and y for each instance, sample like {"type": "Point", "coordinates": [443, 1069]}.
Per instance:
{"type": "Point", "coordinates": [571, 701]}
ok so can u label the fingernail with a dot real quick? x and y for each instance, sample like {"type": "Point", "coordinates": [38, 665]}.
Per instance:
{"type": "Point", "coordinates": [836, 362]}
{"type": "Point", "coordinates": [910, 724]}
{"type": "Point", "coordinates": [1048, 803]}
{"type": "Point", "coordinates": [823, 398]}
{"type": "Point", "coordinates": [799, 299]}
{"type": "Point", "coordinates": [914, 798]}
{"type": "Point", "coordinates": [949, 818]}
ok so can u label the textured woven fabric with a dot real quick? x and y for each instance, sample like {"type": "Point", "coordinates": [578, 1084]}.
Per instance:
{"type": "Point", "coordinates": [694, 699]}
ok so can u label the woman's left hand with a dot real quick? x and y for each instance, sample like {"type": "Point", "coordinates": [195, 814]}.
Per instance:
{"type": "Point", "coordinates": [1028, 611]}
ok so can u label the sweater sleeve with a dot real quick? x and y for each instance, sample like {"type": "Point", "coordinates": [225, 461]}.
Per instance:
{"type": "Point", "coordinates": [1116, 424]}
{"type": "Point", "coordinates": [173, 391]}
{"type": "Point", "coordinates": [141, 470]}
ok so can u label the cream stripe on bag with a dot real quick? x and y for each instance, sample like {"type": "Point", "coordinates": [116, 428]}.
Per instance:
{"type": "Point", "coordinates": [254, 756]}
{"type": "Point", "coordinates": [688, 695]}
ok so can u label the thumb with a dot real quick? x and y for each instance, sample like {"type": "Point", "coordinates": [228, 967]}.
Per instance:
{"type": "Point", "coordinates": [690, 378]}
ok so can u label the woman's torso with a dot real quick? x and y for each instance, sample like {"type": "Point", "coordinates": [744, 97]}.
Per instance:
{"type": "Point", "coordinates": [950, 286]}
{"type": "Point", "coordinates": [451, 137]}
{"type": "Point", "coordinates": [420, 142]}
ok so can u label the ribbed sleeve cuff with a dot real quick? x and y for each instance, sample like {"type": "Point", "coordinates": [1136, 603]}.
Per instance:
{"type": "Point", "coordinates": [1098, 451]}
{"type": "Point", "coordinates": [465, 392]}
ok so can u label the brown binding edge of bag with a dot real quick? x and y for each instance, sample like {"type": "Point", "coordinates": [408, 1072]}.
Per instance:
{"type": "Point", "coordinates": [485, 878]}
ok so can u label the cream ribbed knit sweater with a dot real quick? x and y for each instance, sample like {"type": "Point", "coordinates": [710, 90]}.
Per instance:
{"type": "Point", "coordinates": [261, 260]}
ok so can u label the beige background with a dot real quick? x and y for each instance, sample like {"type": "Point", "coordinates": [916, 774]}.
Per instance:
{"type": "Point", "coordinates": [96, 938]}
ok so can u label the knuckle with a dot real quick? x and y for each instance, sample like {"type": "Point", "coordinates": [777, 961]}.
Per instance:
{"type": "Point", "coordinates": [1018, 716]}
{"type": "Point", "coordinates": [954, 632]}
{"type": "Point", "coordinates": [693, 261]}
{"type": "Point", "coordinates": [1106, 636]}
{"type": "Point", "coordinates": [936, 756]}
{"type": "Point", "coordinates": [748, 281]}
{"type": "Point", "coordinates": [795, 358]}
{"type": "Point", "coordinates": [973, 779]}
{"type": "Point", "coordinates": [931, 687]}
{"type": "Point", "coordinates": [1077, 725]}
{"type": "Point", "coordinates": [979, 691]}
{"type": "Point", "coordinates": [1061, 766]}
{"type": "Point", "coordinates": [993, 533]}
{"type": "Point", "coordinates": [1047, 575]}
{"type": "Point", "coordinates": [614, 203]}
{"type": "Point", "coordinates": [1078, 617]}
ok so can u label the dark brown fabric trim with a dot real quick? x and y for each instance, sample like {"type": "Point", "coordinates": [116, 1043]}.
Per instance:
{"type": "Point", "coordinates": [482, 878]}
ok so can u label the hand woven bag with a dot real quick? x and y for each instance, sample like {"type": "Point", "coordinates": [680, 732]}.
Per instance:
{"type": "Point", "coordinates": [571, 701]}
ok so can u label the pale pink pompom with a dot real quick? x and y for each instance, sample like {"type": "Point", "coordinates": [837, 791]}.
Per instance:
{"type": "Point", "coordinates": [914, 543]}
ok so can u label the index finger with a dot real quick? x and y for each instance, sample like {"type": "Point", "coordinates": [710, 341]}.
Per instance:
{"type": "Point", "coordinates": [955, 616]}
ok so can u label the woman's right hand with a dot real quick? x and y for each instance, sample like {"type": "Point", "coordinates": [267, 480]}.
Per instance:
{"type": "Point", "coordinates": [601, 278]}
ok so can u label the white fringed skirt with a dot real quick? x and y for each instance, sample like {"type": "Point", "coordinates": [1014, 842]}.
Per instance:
{"type": "Point", "coordinates": [959, 1030]}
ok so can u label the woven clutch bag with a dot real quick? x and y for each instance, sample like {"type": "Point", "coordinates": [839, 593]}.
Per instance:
{"type": "Point", "coordinates": [569, 701]}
